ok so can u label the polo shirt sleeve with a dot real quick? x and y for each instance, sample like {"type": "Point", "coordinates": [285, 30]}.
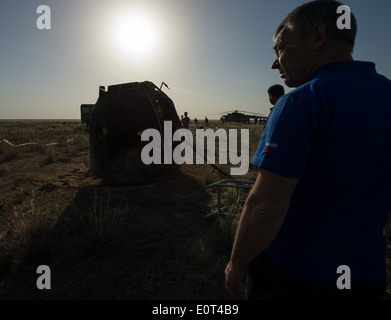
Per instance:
{"type": "Point", "coordinates": [288, 137]}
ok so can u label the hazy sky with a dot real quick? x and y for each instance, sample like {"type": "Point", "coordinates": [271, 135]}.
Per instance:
{"type": "Point", "coordinates": [215, 55]}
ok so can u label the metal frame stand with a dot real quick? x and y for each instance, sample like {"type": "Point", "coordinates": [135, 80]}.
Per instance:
{"type": "Point", "coordinates": [230, 183]}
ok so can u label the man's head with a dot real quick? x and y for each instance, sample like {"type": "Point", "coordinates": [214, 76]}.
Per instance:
{"type": "Point", "coordinates": [275, 92]}
{"type": "Point", "coordinates": [308, 38]}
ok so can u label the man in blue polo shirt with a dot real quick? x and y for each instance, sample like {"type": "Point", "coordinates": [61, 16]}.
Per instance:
{"type": "Point", "coordinates": [312, 226]}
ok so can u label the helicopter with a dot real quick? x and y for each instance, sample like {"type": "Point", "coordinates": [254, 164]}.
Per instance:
{"type": "Point", "coordinates": [241, 116]}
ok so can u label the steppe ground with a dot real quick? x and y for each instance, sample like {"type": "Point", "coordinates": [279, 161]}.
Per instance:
{"type": "Point", "coordinates": [103, 241]}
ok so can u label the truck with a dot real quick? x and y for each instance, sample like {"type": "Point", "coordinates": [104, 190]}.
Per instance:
{"type": "Point", "coordinates": [85, 113]}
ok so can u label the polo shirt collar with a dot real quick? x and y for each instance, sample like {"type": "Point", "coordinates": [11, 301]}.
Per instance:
{"type": "Point", "coordinates": [343, 66]}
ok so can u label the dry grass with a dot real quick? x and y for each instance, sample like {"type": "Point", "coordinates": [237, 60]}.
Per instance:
{"type": "Point", "coordinates": [102, 241]}
{"type": "Point", "coordinates": [10, 154]}
{"type": "Point", "coordinates": [105, 220]}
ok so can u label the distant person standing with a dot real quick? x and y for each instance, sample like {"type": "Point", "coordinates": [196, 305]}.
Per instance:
{"type": "Point", "coordinates": [275, 92]}
{"type": "Point", "coordinates": [185, 121]}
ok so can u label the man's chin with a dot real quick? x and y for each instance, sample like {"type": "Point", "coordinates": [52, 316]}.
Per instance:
{"type": "Point", "coordinates": [289, 83]}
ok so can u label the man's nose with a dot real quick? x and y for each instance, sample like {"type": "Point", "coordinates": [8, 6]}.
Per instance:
{"type": "Point", "coordinates": [275, 64]}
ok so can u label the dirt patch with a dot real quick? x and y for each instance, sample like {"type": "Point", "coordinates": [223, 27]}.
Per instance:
{"type": "Point", "coordinates": [102, 241]}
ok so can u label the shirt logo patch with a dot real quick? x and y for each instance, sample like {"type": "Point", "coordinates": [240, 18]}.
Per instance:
{"type": "Point", "coordinates": [270, 147]}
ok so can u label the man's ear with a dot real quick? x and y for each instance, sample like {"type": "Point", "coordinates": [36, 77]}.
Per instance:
{"type": "Point", "coordinates": [319, 36]}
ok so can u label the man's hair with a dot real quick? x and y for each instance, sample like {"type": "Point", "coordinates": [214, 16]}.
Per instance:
{"type": "Point", "coordinates": [306, 16]}
{"type": "Point", "coordinates": [276, 90]}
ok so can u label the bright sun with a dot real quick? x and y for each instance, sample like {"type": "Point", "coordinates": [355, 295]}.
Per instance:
{"type": "Point", "coordinates": [136, 34]}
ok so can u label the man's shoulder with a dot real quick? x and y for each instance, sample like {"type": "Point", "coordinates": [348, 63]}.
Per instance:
{"type": "Point", "coordinates": [304, 92]}
{"type": "Point", "coordinates": [335, 77]}
{"type": "Point", "coordinates": [346, 73]}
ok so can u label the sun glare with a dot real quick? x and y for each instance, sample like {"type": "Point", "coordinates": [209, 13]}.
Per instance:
{"type": "Point", "coordinates": [136, 34]}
